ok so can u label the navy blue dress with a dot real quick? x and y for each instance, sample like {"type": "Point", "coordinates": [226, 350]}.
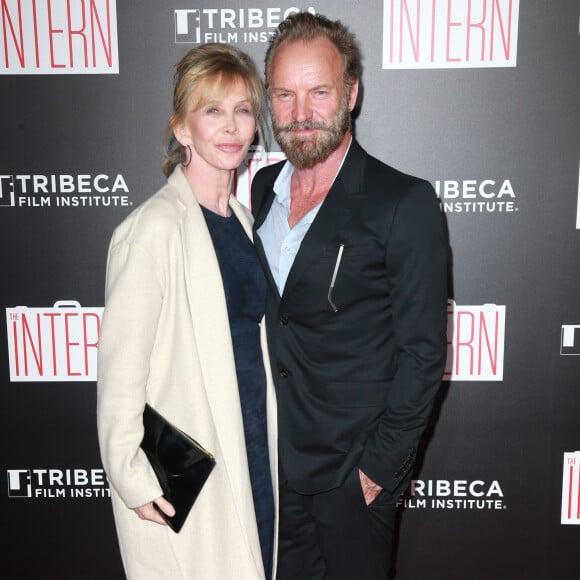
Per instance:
{"type": "Point", "coordinates": [245, 290]}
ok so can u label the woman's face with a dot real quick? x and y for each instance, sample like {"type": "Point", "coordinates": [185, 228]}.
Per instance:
{"type": "Point", "coordinates": [220, 132]}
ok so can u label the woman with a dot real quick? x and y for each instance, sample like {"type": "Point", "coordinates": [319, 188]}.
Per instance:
{"type": "Point", "coordinates": [182, 331]}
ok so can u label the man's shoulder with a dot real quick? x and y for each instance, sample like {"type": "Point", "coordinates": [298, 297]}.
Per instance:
{"type": "Point", "coordinates": [379, 171]}
{"type": "Point", "coordinates": [386, 187]}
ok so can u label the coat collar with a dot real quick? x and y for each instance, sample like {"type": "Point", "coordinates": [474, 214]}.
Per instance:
{"type": "Point", "coordinates": [208, 310]}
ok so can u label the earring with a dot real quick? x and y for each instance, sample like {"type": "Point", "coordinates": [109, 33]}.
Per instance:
{"type": "Point", "coordinates": [188, 157]}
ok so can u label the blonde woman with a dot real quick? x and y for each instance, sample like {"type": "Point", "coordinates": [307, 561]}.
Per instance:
{"type": "Point", "coordinates": [183, 331]}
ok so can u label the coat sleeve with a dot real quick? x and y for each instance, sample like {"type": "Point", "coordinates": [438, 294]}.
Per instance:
{"type": "Point", "coordinates": [416, 265]}
{"type": "Point", "coordinates": [132, 306]}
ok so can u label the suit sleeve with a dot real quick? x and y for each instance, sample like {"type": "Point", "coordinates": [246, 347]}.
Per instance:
{"type": "Point", "coordinates": [416, 264]}
{"type": "Point", "coordinates": [132, 307]}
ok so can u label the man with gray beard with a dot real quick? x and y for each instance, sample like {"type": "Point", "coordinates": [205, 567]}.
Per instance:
{"type": "Point", "coordinates": [355, 255]}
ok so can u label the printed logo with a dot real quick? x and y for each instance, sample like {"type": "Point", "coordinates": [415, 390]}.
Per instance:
{"type": "Point", "coordinates": [256, 158]}
{"type": "Point", "coordinates": [453, 34]}
{"type": "Point", "coordinates": [19, 483]}
{"type": "Point", "coordinates": [474, 196]}
{"type": "Point", "coordinates": [83, 190]}
{"type": "Point", "coordinates": [57, 483]}
{"type": "Point", "coordinates": [571, 489]}
{"type": "Point", "coordinates": [458, 494]}
{"type": "Point", "coordinates": [58, 37]}
{"type": "Point", "coordinates": [475, 339]}
{"type": "Point", "coordinates": [232, 25]}
{"type": "Point", "coordinates": [53, 344]}
{"type": "Point", "coordinates": [570, 339]}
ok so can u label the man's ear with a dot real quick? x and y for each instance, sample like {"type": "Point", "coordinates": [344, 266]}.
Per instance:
{"type": "Point", "coordinates": [353, 95]}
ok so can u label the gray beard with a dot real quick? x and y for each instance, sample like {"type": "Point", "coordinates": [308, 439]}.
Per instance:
{"type": "Point", "coordinates": [306, 153]}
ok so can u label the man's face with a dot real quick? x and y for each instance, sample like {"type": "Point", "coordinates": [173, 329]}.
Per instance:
{"type": "Point", "coordinates": [309, 106]}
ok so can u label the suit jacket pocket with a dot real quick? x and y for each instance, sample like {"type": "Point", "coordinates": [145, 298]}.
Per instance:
{"type": "Point", "coordinates": [331, 250]}
{"type": "Point", "coordinates": [357, 393]}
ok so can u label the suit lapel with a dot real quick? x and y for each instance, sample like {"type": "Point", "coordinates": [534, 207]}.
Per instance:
{"type": "Point", "coordinates": [262, 213]}
{"type": "Point", "coordinates": [335, 211]}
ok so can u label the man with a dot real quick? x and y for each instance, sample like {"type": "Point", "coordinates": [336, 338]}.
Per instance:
{"type": "Point", "coordinates": [355, 255]}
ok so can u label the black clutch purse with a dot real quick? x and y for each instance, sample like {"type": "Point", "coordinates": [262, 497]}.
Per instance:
{"type": "Point", "coordinates": [181, 464]}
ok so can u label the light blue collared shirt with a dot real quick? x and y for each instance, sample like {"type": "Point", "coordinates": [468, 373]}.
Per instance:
{"type": "Point", "coordinates": [281, 243]}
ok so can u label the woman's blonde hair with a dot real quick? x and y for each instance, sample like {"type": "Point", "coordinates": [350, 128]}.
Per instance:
{"type": "Point", "coordinates": [212, 68]}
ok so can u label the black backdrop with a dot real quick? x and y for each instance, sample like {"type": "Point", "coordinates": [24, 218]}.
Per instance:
{"type": "Point", "coordinates": [480, 97]}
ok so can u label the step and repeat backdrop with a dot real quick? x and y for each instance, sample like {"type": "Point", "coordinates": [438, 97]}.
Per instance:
{"type": "Point", "coordinates": [481, 97]}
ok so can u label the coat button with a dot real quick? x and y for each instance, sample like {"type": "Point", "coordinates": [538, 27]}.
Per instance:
{"type": "Point", "coordinates": [283, 319]}
{"type": "Point", "coordinates": [284, 373]}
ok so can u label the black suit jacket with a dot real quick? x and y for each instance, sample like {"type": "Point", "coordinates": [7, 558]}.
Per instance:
{"type": "Point", "coordinates": [355, 386]}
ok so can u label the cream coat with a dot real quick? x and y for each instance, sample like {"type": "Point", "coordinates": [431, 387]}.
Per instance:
{"type": "Point", "coordinates": [165, 340]}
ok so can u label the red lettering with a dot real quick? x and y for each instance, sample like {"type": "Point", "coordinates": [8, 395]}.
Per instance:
{"type": "Point", "coordinates": [578, 498]}
{"type": "Point", "coordinates": [51, 33]}
{"type": "Point", "coordinates": [106, 47]}
{"type": "Point", "coordinates": [467, 343]}
{"type": "Point", "coordinates": [54, 34]}
{"type": "Point", "coordinates": [570, 484]}
{"type": "Point", "coordinates": [458, 33]}
{"type": "Point", "coordinates": [36, 47]}
{"type": "Point", "coordinates": [450, 25]}
{"type": "Point", "coordinates": [79, 32]}
{"type": "Point", "coordinates": [433, 8]}
{"type": "Point", "coordinates": [7, 19]}
{"type": "Point", "coordinates": [483, 332]}
{"type": "Point", "coordinates": [88, 344]}
{"type": "Point", "coordinates": [506, 45]}
{"type": "Point", "coordinates": [15, 341]}
{"type": "Point", "coordinates": [470, 25]}
{"type": "Point", "coordinates": [414, 39]}
{"type": "Point", "coordinates": [37, 354]}
{"type": "Point", "coordinates": [391, 31]}
{"type": "Point", "coordinates": [52, 316]}
{"type": "Point", "coordinates": [69, 343]}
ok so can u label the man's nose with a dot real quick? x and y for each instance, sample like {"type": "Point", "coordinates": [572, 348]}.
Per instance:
{"type": "Point", "coordinates": [302, 109]}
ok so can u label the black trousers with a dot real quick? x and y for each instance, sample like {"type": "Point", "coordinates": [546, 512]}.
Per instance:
{"type": "Point", "coordinates": [334, 535]}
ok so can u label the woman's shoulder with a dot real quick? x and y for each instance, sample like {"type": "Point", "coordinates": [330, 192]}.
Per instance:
{"type": "Point", "coordinates": [157, 218]}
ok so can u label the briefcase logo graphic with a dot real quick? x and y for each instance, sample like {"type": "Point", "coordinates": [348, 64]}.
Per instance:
{"type": "Point", "coordinates": [59, 38]}
{"type": "Point", "coordinates": [426, 34]}
{"type": "Point", "coordinates": [475, 342]}
{"type": "Point", "coordinates": [53, 344]}
{"type": "Point", "coordinates": [571, 489]}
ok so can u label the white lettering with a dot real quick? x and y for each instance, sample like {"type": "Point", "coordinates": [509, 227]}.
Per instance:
{"type": "Point", "coordinates": [455, 488]}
